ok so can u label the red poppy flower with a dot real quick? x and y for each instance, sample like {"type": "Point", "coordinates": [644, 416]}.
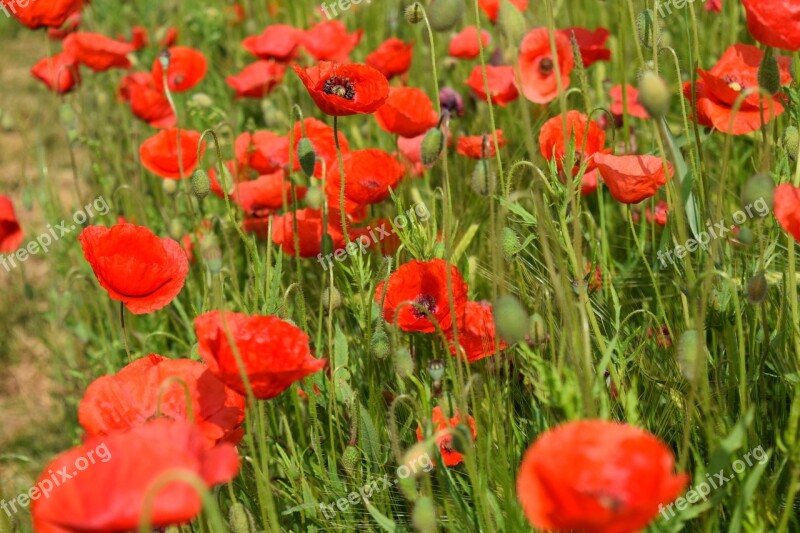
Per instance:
{"type": "Point", "coordinates": [310, 227]}
{"type": "Point", "coordinates": [267, 192]}
{"type": "Point", "coordinates": [156, 386]}
{"type": "Point", "coordinates": [135, 267]}
{"type": "Point", "coordinates": [477, 336]}
{"type": "Point", "coordinates": [663, 338]}
{"type": "Point", "coordinates": [38, 14]}
{"type": "Point", "coordinates": [592, 44]}
{"type": "Point", "coordinates": [147, 103]}
{"type": "Point", "coordinates": [10, 231]}
{"type": "Point", "coordinates": [660, 215]}
{"type": "Point", "coordinates": [139, 38]}
{"type": "Point", "coordinates": [465, 45]}
{"type": "Point", "coordinates": [595, 476]}
{"type": "Point", "coordinates": [408, 112]}
{"type": "Point", "coordinates": [634, 108]}
{"type": "Point", "coordinates": [369, 175]}
{"type": "Point", "coordinates": [70, 25]}
{"type": "Point", "coordinates": [121, 469]}
{"type": "Point", "coordinates": [632, 178]}
{"type": "Point", "coordinates": [502, 84]}
{"type": "Point", "coordinates": [274, 353]}
{"type": "Point", "coordinates": [588, 135]}
{"type": "Point", "coordinates": [169, 37]}
{"type": "Point", "coordinates": [98, 52]}
{"type": "Point", "coordinates": [278, 42]}
{"type": "Point", "coordinates": [480, 146]}
{"type": "Point", "coordinates": [329, 41]}
{"type": "Point", "coordinates": [392, 58]}
{"type": "Point", "coordinates": [492, 7]}
{"type": "Point", "coordinates": [321, 137]}
{"type": "Point", "coordinates": [589, 182]}
{"type": "Point", "coordinates": [423, 284]}
{"type": "Point", "coordinates": [263, 151]}
{"type": "Point", "coordinates": [344, 89]}
{"type": "Point", "coordinates": [257, 80]}
{"type": "Point", "coordinates": [774, 22]}
{"type": "Point", "coordinates": [187, 68]}
{"type": "Point", "coordinates": [787, 209]}
{"type": "Point", "coordinates": [60, 73]}
{"type": "Point", "coordinates": [159, 153]}
{"type": "Point", "coordinates": [719, 88]}
{"type": "Point", "coordinates": [441, 423]}
{"type": "Point", "coordinates": [537, 66]}
{"type": "Point", "coordinates": [411, 151]}
{"type": "Point", "coordinates": [713, 5]}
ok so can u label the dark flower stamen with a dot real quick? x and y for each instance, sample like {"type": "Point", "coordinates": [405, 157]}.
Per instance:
{"type": "Point", "coordinates": [425, 301]}
{"type": "Point", "coordinates": [546, 66]}
{"type": "Point", "coordinates": [341, 87]}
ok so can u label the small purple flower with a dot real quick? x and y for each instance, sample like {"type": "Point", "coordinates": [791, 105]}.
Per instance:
{"type": "Point", "coordinates": [451, 101]}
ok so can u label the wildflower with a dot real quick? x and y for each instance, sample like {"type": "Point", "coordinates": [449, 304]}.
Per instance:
{"type": "Point", "coordinates": [344, 89]}
{"type": "Point", "coordinates": [159, 153]}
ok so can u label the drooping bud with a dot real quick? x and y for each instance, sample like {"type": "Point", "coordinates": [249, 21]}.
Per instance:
{"type": "Point", "coordinates": [201, 184]}
{"type": "Point", "coordinates": [443, 15]}
{"type": "Point", "coordinates": [413, 13]}
{"type": "Point", "coordinates": [350, 459]}
{"type": "Point", "coordinates": [791, 141]}
{"type": "Point", "coordinates": [331, 299]}
{"type": "Point", "coordinates": [769, 76]}
{"type": "Point", "coordinates": [759, 187]}
{"type": "Point", "coordinates": [511, 244]}
{"type": "Point", "coordinates": [757, 288]}
{"type": "Point", "coordinates": [240, 519]}
{"type": "Point", "coordinates": [417, 456]}
{"type": "Point", "coordinates": [424, 515]}
{"type": "Point", "coordinates": [307, 156]}
{"type": "Point", "coordinates": [432, 146]}
{"type": "Point", "coordinates": [510, 319]}
{"type": "Point", "coordinates": [647, 26]}
{"type": "Point", "coordinates": [403, 363]}
{"type": "Point", "coordinates": [379, 346]}
{"type": "Point", "coordinates": [314, 197]}
{"type": "Point", "coordinates": [511, 23]}
{"type": "Point", "coordinates": [654, 94]}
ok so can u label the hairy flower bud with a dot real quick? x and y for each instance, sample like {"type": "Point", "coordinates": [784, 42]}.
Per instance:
{"type": "Point", "coordinates": [654, 94]}
{"type": "Point", "coordinates": [769, 76]}
{"type": "Point", "coordinates": [511, 319]}
{"type": "Point", "coordinates": [201, 184]}
{"type": "Point", "coordinates": [443, 15]}
{"type": "Point", "coordinates": [432, 146]}
{"type": "Point", "coordinates": [307, 156]}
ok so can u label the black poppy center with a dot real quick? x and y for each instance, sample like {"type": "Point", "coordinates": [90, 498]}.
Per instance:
{"type": "Point", "coordinates": [546, 66]}
{"type": "Point", "coordinates": [426, 302]}
{"type": "Point", "coordinates": [341, 87]}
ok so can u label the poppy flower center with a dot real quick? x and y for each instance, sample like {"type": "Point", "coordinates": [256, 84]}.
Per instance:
{"type": "Point", "coordinates": [371, 184]}
{"type": "Point", "coordinates": [546, 66]}
{"type": "Point", "coordinates": [424, 301]}
{"type": "Point", "coordinates": [339, 86]}
{"type": "Point", "coordinates": [733, 83]}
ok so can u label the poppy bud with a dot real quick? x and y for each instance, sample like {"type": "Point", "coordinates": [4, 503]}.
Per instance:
{"type": "Point", "coordinates": [314, 197]}
{"type": "Point", "coordinates": [758, 187]}
{"type": "Point", "coordinates": [307, 156]}
{"type": "Point", "coordinates": [212, 254]}
{"type": "Point", "coordinates": [511, 23]}
{"type": "Point", "coordinates": [791, 141]}
{"type": "Point", "coordinates": [687, 353]}
{"type": "Point", "coordinates": [443, 15]}
{"type": "Point", "coordinates": [202, 100]}
{"type": "Point", "coordinates": [482, 178]}
{"type": "Point", "coordinates": [646, 28]}
{"type": "Point", "coordinates": [424, 516]}
{"type": "Point", "coordinates": [511, 319]}
{"type": "Point", "coordinates": [414, 13]}
{"type": "Point", "coordinates": [240, 519]}
{"type": "Point", "coordinates": [201, 184]}
{"type": "Point", "coordinates": [757, 288]}
{"type": "Point", "coordinates": [414, 456]}
{"type": "Point", "coordinates": [769, 76]}
{"type": "Point", "coordinates": [537, 329]}
{"type": "Point", "coordinates": [432, 146]}
{"type": "Point", "coordinates": [511, 244]}
{"type": "Point", "coordinates": [331, 298]}
{"type": "Point", "coordinates": [350, 459]}
{"type": "Point", "coordinates": [745, 236]}
{"type": "Point", "coordinates": [226, 182]}
{"type": "Point", "coordinates": [379, 347]}
{"type": "Point", "coordinates": [436, 369]}
{"type": "Point", "coordinates": [403, 363]}
{"type": "Point", "coordinates": [170, 187]}
{"type": "Point", "coordinates": [176, 229]}
{"type": "Point", "coordinates": [654, 94]}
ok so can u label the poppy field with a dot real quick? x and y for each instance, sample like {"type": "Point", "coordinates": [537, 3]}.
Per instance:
{"type": "Point", "coordinates": [399, 266]}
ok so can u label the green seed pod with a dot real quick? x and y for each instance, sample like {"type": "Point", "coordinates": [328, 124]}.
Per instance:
{"type": "Point", "coordinates": [511, 244]}
{"type": "Point", "coordinates": [654, 94]}
{"type": "Point", "coordinates": [537, 330]}
{"type": "Point", "coordinates": [307, 156]}
{"type": "Point", "coordinates": [647, 24]}
{"type": "Point", "coordinates": [240, 519]}
{"type": "Point", "coordinates": [443, 15]}
{"type": "Point", "coordinates": [315, 198]}
{"type": "Point", "coordinates": [510, 319]}
{"type": "Point", "coordinates": [482, 178]}
{"type": "Point", "coordinates": [757, 288]}
{"type": "Point", "coordinates": [170, 187]}
{"type": "Point", "coordinates": [202, 100]}
{"type": "Point", "coordinates": [201, 184]}
{"type": "Point", "coordinates": [436, 369]}
{"type": "Point", "coordinates": [403, 363]}
{"type": "Point", "coordinates": [176, 229]}
{"type": "Point", "coordinates": [424, 515]}
{"type": "Point", "coordinates": [413, 13]}
{"type": "Point", "coordinates": [511, 23]}
{"type": "Point", "coordinates": [769, 76]}
{"type": "Point", "coordinates": [745, 236]}
{"type": "Point", "coordinates": [759, 187]}
{"type": "Point", "coordinates": [379, 347]}
{"type": "Point", "coordinates": [331, 299]}
{"type": "Point", "coordinates": [688, 353]}
{"type": "Point", "coordinates": [432, 146]}
{"type": "Point", "coordinates": [350, 460]}
{"type": "Point", "coordinates": [791, 141]}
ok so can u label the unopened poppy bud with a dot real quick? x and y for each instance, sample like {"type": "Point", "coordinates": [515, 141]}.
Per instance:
{"type": "Point", "coordinates": [379, 346]}
{"type": "Point", "coordinates": [414, 13]}
{"type": "Point", "coordinates": [403, 363]}
{"type": "Point", "coordinates": [443, 15]}
{"type": "Point", "coordinates": [307, 156]}
{"type": "Point", "coordinates": [511, 319]}
{"type": "Point", "coordinates": [511, 23]}
{"type": "Point", "coordinates": [688, 353]}
{"type": "Point", "coordinates": [511, 244]}
{"type": "Point", "coordinates": [432, 146]}
{"type": "Point", "coordinates": [482, 178]}
{"type": "Point", "coordinates": [759, 188]}
{"type": "Point", "coordinates": [240, 519]}
{"type": "Point", "coordinates": [646, 28]}
{"type": "Point", "coordinates": [212, 255]}
{"type": "Point", "coordinates": [745, 236]}
{"type": "Point", "coordinates": [537, 330]}
{"type": "Point", "coordinates": [424, 515]}
{"type": "Point", "coordinates": [331, 298]}
{"type": "Point", "coordinates": [757, 288]}
{"type": "Point", "coordinates": [314, 197]}
{"type": "Point", "coordinates": [202, 100]}
{"type": "Point", "coordinates": [350, 460]}
{"type": "Point", "coordinates": [791, 141]}
{"type": "Point", "coordinates": [416, 458]}
{"type": "Point", "coordinates": [654, 94]}
{"type": "Point", "coordinates": [201, 184]}
{"type": "Point", "coordinates": [769, 76]}
{"type": "Point", "coordinates": [170, 187]}
{"type": "Point", "coordinates": [436, 369]}
{"type": "Point", "coordinates": [176, 229]}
